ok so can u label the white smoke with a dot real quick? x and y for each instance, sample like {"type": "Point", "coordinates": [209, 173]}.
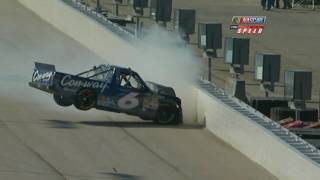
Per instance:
{"type": "Point", "coordinates": [163, 57]}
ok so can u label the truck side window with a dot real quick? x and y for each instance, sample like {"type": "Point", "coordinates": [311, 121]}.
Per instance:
{"type": "Point", "coordinates": [129, 81]}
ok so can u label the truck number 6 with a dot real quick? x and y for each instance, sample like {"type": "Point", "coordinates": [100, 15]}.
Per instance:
{"type": "Point", "coordinates": [129, 101]}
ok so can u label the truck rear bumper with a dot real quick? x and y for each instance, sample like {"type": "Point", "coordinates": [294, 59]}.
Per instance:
{"type": "Point", "coordinates": [41, 87]}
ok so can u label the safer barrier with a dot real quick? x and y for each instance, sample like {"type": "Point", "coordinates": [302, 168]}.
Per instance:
{"type": "Point", "coordinates": [92, 13]}
{"type": "Point", "coordinates": [264, 141]}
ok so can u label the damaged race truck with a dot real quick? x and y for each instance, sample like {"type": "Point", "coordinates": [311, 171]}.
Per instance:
{"type": "Point", "coordinates": [110, 88]}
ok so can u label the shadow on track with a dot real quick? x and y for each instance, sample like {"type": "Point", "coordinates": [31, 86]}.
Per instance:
{"type": "Point", "coordinates": [61, 124]}
{"type": "Point", "coordinates": [123, 124]}
{"type": "Point", "coordinates": [135, 124]}
{"type": "Point", "coordinates": [123, 176]}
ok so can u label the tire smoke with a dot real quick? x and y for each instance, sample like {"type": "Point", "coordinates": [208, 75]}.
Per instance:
{"type": "Point", "coordinates": [163, 57]}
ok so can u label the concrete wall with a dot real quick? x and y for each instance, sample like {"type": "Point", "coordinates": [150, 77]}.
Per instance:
{"type": "Point", "coordinates": [81, 28]}
{"type": "Point", "coordinates": [243, 134]}
{"type": "Point", "coordinates": [255, 142]}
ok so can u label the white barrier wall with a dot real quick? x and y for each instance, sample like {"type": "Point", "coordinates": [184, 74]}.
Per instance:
{"type": "Point", "coordinates": [252, 140]}
{"type": "Point", "coordinates": [255, 142]}
{"type": "Point", "coordinates": [83, 29]}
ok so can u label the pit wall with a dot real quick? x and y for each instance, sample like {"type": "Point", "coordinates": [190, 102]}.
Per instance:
{"type": "Point", "coordinates": [234, 128]}
{"type": "Point", "coordinates": [254, 141]}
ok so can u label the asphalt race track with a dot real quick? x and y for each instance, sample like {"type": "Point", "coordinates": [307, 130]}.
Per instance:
{"type": "Point", "coordinates": [39, 140]}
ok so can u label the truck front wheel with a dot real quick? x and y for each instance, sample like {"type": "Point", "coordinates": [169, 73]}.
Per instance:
{"type": "Point", "coordinates": [168, 115]}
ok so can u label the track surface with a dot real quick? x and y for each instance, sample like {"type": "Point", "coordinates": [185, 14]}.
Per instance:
{"type": "Point", "coordinates": [39, 140]}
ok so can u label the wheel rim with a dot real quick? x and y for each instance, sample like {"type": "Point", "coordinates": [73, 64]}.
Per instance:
{"type": "Point", "coordinates": [167, 115]}
{"type": "Point", "coordinates": [86, 99]}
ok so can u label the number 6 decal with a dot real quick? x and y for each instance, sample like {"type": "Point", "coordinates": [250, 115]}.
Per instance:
{"type": "Point", "coordinates": [129, 101]}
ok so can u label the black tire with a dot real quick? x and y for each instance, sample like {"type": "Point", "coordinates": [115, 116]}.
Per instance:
{"type": "Point", "coordinates": [85, 99]}
{"type": "Point", "coordinates": [62, 101]}
{"type": "Point", "coordinates": [168, 115]}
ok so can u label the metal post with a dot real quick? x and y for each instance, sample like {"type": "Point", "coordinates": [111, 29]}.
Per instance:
{"type": "Point", "coordinates": [319, 106]}
{"type": "Point", "coordinates": [138, 27]}
{"type": "Point", "coordinates": [117, 9]}
{"type": "Point", "coordinates": [209, 68]}
{"type": "Point", "coordinates": [292, 3]}
{"type": "Point", "coordinates": [141, 29]}
{"type": "Point", "coordinates": [165, 24]}
{"type": "Point", "coordinates": [185, 37]}
{"type": "Point", "coordinates": [98, 7]}
{"type": "Point", "coordinates": [214, 54]}
{"type": "Point", "coordinates": [297, 115]}
{"type": "Point", "coordinates": [313, 7]}
{"type": "Point", "coordinates": [150, 13]}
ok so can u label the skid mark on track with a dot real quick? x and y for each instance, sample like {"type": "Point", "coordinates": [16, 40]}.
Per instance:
{"type": "Point", "coordinates": [162, 159]}
{"type": "Point", "coordinates": [37, 154]}
{"type": "Point", "coordinates": [123, 125]}
{"type": "Point", "coordinates": [27, 172]}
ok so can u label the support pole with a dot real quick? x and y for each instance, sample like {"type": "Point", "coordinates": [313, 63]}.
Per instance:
{"type": "Point", "coordinates": [297, 115]}
{"type": "Point", "coordinates": [117, 9]}
{"type": "Point", "coordinates": [319, 106]}
{"type": "Point", "coordinates": [141, 29]}
{"type": "Point", "coordinates": [209, 68]}
{"type": "Point", "coordinates": [313, 6]}
{"type": "Point", "coordinates": [292, 3]}
{"type": "Point", "coordinates": [186, 37]}
{"type": "Point", "coordinates": [165, 24]}
{"type": "Point", "coordinates": [138, 27]}
{"type": "Point", "coordinates": [210, 55]}
{"type": "Point", "coordinates": [98, 7]}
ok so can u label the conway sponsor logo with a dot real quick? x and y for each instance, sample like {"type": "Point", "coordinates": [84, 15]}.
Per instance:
{"type": "Point", "coordinates": [69, 82]}
{"type": "Point", "coordinates": [43, 76]}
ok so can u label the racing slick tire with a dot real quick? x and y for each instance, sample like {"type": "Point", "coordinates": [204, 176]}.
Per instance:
{"type": "Point", "coordinates": [168, 115]}
{"type": "Point", "coordinates": [85, 99]}
{"type": "Point", "coordinates": [62, 101]}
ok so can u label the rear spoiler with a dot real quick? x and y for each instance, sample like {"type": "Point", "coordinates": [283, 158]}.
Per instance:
{"type": "Point", "coordinates": [43, 76]}
{"type": "Point", "coordinates": [45, 67]}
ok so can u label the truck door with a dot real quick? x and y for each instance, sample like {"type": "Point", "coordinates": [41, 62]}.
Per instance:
{"type": "Point", "coordinates": [127, 93]}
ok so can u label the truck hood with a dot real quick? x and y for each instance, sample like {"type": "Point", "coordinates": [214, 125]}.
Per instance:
{"type": "Point", "coordinates": [160, 89]}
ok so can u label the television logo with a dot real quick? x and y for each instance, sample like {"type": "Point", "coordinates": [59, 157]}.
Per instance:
{"type": "Point", "coordinates": [248, 24]}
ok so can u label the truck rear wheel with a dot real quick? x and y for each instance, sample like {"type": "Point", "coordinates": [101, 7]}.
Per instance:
{"type": "Point", "coordinates": [85, 99]}
{"type": "Point", "coordinates": [61, 100]}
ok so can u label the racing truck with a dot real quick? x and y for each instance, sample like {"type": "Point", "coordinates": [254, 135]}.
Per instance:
{"type": "Point", "coordinates": [110, 88]}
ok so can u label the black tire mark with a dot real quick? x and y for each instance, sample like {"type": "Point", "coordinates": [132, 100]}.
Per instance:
{"type": "Point", "coordinates": [37, 154]}
{"type": "Point", "coordinates": [154, 153]}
